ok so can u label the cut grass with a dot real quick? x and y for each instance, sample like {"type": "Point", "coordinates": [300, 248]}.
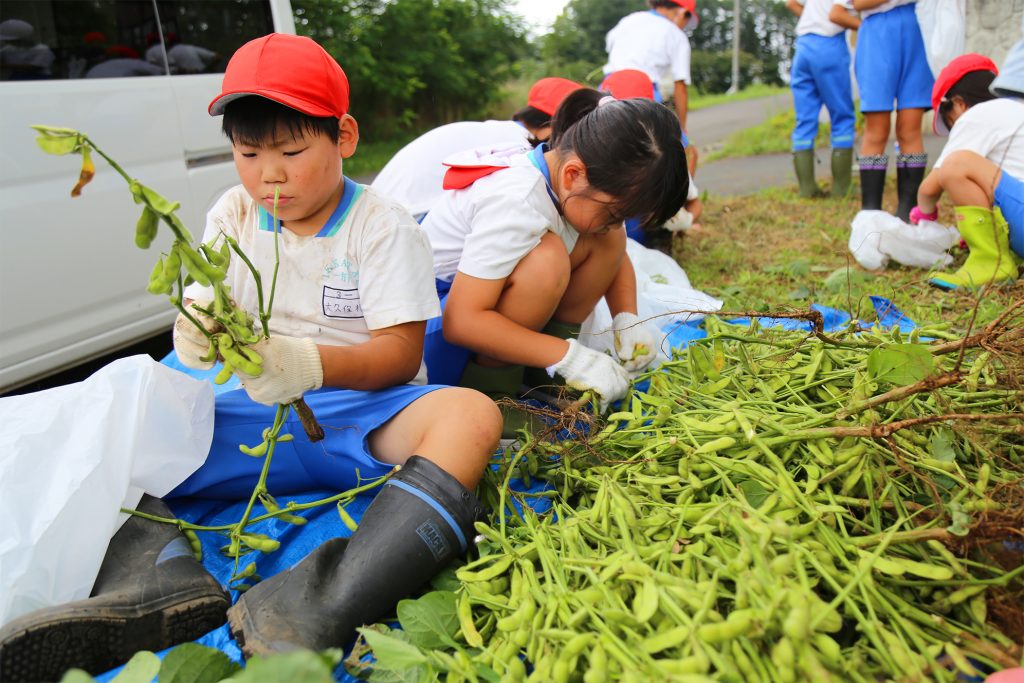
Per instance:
{"type": "Point", "coordinates": [700, 100]}
{"type": "Point", "coordinates": [772, 136]}
{"type": "Point", "coordinates": [773, 251]}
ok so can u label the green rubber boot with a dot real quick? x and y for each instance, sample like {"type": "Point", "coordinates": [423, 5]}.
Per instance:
{"type": "Point", "coordinates": [842, 169]}
{"type": "Point", "coordinates": [501, 383]}
{"type": "Point", "coordinates": [803, 164]}
{"type": "Point", "coordinates": [987, 235]}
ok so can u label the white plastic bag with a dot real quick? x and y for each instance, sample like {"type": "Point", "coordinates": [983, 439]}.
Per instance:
{"type": "Point", "coordinates": [664, 298]}
{"type": "Point", "coordinates": [944, 29]}
{"type": "Point", "coordinates": [877, 236]}
{"type": "Point", "coordinates": [72, 456]}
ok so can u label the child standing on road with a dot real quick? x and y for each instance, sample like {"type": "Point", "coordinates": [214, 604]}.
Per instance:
{"type": "Point", "coordinates": [525, 245]}
{"type": "Point", "coordinates": [821, 75]}
{"type": "Point", "coordinates": [353, 293]}
{"type": "Point", "coordinates": [892, 70]}
{"type": "Point", "coordinates": [981, 168]}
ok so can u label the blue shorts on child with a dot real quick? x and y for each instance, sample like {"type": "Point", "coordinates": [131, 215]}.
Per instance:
{"type": "Point", "coordinates": [1009, 197]}
{"type": "Point", "coordinates": [339, 462]}
{"type": "Point", "coordinates": [891, 64]}
{"type": "Point", "coordinates": [821, 75]}
{"type": "Point", "coordinates": [445, 361]}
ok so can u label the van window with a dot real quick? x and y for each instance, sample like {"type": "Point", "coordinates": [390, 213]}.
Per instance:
{"type": "Point", "coordinates": [57, 39]}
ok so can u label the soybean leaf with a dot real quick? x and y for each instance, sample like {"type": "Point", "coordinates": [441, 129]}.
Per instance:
{"type": "Point", "coordinates": [961, 521]}
{"type": "Point", "coordinates": [300, 666]}
{"type": "Point", "coordinates": [141, 668]}
{"type": "Point", "coordinates": [392, 652]}
{"type": "Point", "coordinates": [900, 363]}
{"type": "Point", "coordinates": [194, 663]}
{"type": "Point", "coordinates": [799, 293]}
{"type": "Point", "coordinates": [486, 673]}
{"type": "Point", "coordinates": [76, 676]}
{"type": "Point", "coordinates": [414, 674]}
{"type": "Point", "coordinates": [430, 621]}
{"type": "Point", "coordinates": [58, 146]}
{"type": "Point", "coordinates": [446, 580]}
{"type": "Point", "coordinates": [841, 278]}
{"type": "Point", "coordinates": [941, 446]}
{"type": "Point", "coordinates": [754, 492]}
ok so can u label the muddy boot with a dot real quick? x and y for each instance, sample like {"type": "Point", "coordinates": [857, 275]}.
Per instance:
{"type": "Point", "coordinates": [803, 165]}
{"type": "Point", "coordinates": [420, 521]}
{"type": "Point", "coordinates": [990, 260]}
{"type": "Point", "coordinates": [150, 594]}
{"type": "Point", "coordinates": [842, 169]}
{"type": "Point", "coordinates": [498, 384]}
{"type": "Point", "coordinates": [909, 174]}
{"type": "Point", "coordinates": [872, 180]}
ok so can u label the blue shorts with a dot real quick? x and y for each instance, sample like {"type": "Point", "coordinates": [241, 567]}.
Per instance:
{"type": "Point", "coordinates": [1009, 197]}
{"type": "Point", "coordinates": [445, 361]}
{"type": "Point", "coordinates": [821, 75]}
{"type": "Point", "coordinates": [891, 64]}
{"type": "Point", "coordinates": [336, 463]}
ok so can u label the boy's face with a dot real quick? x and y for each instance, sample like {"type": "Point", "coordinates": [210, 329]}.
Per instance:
{"type": "Point", "coordinates": [307, 169]}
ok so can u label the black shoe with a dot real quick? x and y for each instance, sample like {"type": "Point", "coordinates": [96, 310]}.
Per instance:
{"type": "Point", "coordinates": [872, 180]}
{"type": "Point", "coordinates": [909, 174]}
{"type": "Point", "coordinates": [419, 522]}
{"type": "Point", "coordinates": [150, 594]}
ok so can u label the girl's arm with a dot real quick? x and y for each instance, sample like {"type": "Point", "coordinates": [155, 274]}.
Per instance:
{"type": "Point", "coordinates": [470, 320]}
{"type": "Point", "coordinates": [795, 7]}
{"type": "Point", "coordinates": [928, 194]}
{"type": "Point", "coordinates": [861, 5]}
{"type": "Point", "coordinates": [840, 17]}
{"type": "Point", "coordinates": [621, 294]}
{"type": "Point", "coordinates": [391, 357]}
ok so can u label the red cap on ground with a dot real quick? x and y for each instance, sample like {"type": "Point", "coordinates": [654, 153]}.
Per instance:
{"type": "Point", "coordinates": [547, 93]}
{"type": "Point", "coordinates": [691, 7]}
{"type": "Point", "coordinates": [628, 83]}
{"type": "Point", "coordinates": [291, 70]}
{"type": "Point", "coordinates": [949, 76]}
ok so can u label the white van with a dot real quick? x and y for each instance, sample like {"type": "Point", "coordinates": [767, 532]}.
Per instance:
{"type": "Point", "coordinates": [136, 76]}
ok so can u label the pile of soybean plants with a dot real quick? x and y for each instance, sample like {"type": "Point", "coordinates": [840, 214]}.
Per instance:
{"type": "Point", "coordinates": [775, 506]}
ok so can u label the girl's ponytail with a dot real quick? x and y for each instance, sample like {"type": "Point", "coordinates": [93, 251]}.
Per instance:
{"type": "Point", "coordinates": [632, 150]}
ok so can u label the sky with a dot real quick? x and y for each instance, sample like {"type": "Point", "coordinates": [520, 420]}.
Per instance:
{"type": "Point", "coordinates": [538, 13]}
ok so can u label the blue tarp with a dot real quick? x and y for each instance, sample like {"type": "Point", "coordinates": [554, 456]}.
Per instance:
{"type": "Point", "coordinates": [324, 522]}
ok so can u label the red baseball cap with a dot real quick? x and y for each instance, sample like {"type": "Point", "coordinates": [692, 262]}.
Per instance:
{"type": "Point", "coordinates": [628, 83]}
{"type": "Point", "coordinates": [691, 7]}
{"type": "Point", "coordinates": [547, 93]}
{"type": "Point", "coordinates": [949, 76]}
{"type": "Point", "coordinates": [291, 70]}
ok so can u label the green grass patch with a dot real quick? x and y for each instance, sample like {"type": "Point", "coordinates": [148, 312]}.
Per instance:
{"type": "Point", "coordinates": [769, 137]}
{"type": "Point", "coordinates": [371, 156]}
{"type": "Point", "coordinates": [701, 100]}
{"type": "Point", "coordinates": [774, 251]}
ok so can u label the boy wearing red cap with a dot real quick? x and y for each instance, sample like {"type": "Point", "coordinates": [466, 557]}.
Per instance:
{"type": "Point", "coordinates": [354, 289]}
{"type": "Point", "coordinates": [654, 42]}
{"type": "Point", "coordinates": [981, 168]}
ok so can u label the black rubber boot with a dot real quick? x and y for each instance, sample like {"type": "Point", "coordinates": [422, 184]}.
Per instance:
{"type": "Point", "coordinates": [150, 594]}
{"type": "Point", "coordinates": [803, 166]}
{"type": "Point", "coordinates": [872, 180]}
{"type": "Point", "coordinates": [842, 169]}
{"type": "Point", "coordinates": [419, 522]}
{"type": "Point", "coordinates": [910, 170]}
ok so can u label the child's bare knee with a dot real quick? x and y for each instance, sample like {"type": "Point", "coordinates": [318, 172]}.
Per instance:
{"type": "Point", "coordinates": [546, 268]}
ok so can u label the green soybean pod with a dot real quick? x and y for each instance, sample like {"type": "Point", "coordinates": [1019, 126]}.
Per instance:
{"type": "Point", "coordinates": [597, 670]}
{"type": "Point", "coordinates": [146, 227]}
{"type": "Point", "coordinates": [716, 445]}
{"type": "Point", "coordinates": [194, 543]}
{"type": "Point", "coordinates": [346, 518]}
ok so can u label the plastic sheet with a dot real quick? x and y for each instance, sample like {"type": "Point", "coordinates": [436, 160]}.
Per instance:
{"type": "Point", "coordinates": [944, 29]}
{"type": "Point", "coordinates": [72, 456]}
{"type": "Point", "coordinates": [877, 236]}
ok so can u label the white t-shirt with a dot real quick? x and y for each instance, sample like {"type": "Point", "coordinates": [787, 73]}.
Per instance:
{"type": "Point", "coordinates": [993, 129]}
{"type": "Point", "coordinates": [884, 7]}
{"type": "Point", "coordinates": [486, 229]}
{"type": "Point", "coordinates": [369, 268]}
{"type": "Point", "coordinates": [651, 43]}
{"type": "Point", "coordinates": [414, 175]}
{"type": "Point", "coordinates": [814, 18]}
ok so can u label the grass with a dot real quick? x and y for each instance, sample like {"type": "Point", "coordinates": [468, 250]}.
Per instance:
{"type": "Point", "coordinates": [773, 251]}
{"type": "Point", "coordinates": [371, 156]}
{"type": "Point", "coordinates": [701, 100]}
{"type": "Point", "coordinates": [772, 136]}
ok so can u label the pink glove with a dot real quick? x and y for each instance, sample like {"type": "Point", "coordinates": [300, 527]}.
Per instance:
{"type": "Point", "coordinates": [917, 215]}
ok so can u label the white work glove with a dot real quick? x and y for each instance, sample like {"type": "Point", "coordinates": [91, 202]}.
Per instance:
{"type": "Point", "coordinates": [683, 220]}
{"type": "Point", "coordinates": [189, 342]}
{"type": "Point", "coordinates": [585, 369]}
{"type": "Point", "coordinates": [635, 346]}
{"type": "Point", "coordinates": [291, 367]}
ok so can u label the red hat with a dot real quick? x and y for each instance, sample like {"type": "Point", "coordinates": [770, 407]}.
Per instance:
{"type": "Point", "coordinates": [950, 76]}
{"type": "Point", "coordinates": [628, 83]}
{"type": "Point", "coordinates": [691, 7]}
{"type": "Point", "coordinates": [547, 93]}
{"type": "Point", "coordinates": [291, 70]}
